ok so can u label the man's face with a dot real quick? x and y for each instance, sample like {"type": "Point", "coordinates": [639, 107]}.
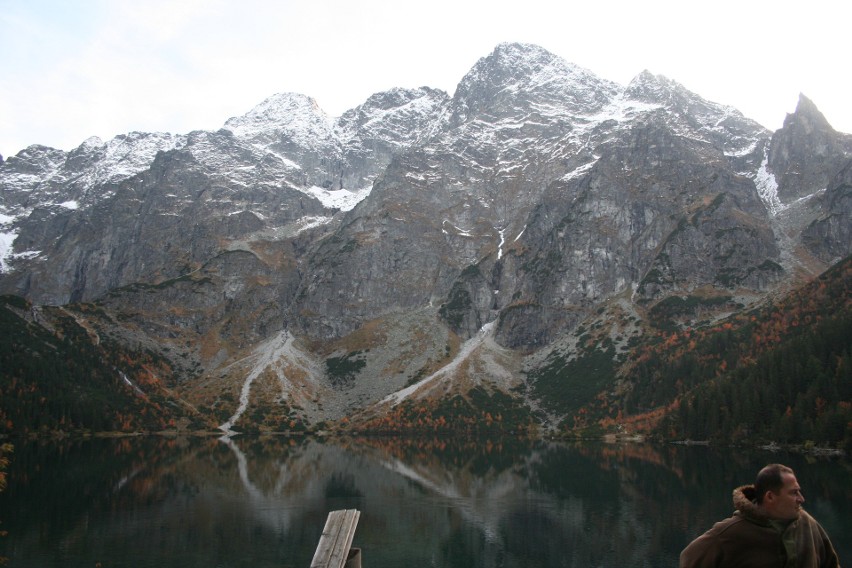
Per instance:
{"type": "Point", "coordinates": [787, 503]}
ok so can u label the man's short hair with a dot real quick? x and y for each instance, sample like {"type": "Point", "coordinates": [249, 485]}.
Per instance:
{"type": "Point", "coordinates": [770, 478]}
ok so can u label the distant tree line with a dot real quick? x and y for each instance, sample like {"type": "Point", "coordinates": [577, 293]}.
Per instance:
{"type": "Point", "coordinates": [56, 378]}
{"type": "Point", "coordinates": [800, 391]}
{"type": "Point", "coordinates": [780, 373]}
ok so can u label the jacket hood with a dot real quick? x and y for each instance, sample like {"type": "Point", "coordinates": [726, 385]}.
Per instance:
{"type": "Point", "coordinates": [745, 503]}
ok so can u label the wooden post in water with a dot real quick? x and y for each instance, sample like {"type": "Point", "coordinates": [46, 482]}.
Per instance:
{"type": "Point", "coordinates": [334, 548]}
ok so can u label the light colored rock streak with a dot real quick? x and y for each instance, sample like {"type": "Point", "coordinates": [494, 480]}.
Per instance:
{"type": "Point", "coordinates": [268, 356]}
{"type": "Point", "coordinates": [467, 349]}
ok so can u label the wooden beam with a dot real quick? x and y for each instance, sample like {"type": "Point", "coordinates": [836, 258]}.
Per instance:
{"type": "Point", "coordinates": [336, 540]}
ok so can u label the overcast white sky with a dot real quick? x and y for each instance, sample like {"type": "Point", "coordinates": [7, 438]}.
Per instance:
{"type": "Point", "coordinates": [70, 69]}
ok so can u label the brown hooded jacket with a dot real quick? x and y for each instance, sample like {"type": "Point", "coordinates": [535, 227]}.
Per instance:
{"type": "Point", "coordinates": [750, 539]}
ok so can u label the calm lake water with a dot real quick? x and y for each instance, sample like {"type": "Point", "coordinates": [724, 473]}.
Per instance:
{"type": "Point", "coordinates": [449, 503]}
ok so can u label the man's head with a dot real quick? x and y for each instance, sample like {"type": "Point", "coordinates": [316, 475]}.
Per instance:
{"type": "Point", "coordinates": [778, 492]}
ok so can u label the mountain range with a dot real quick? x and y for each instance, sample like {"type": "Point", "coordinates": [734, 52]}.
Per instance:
{"type": "Point", "coordinates": [293, 269]}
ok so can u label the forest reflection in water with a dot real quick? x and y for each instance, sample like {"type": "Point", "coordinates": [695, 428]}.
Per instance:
{"type": "Point", "coordinates": [263, 501]}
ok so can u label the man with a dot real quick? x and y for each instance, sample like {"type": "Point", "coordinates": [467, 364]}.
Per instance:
{"type": "Point", "coordinates": [769, 528]}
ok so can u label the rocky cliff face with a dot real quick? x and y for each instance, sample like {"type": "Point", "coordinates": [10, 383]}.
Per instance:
{"type": "Point", "coordinates": [807, 153]}
{"type": "Point", "coordinates": [829, 235]}
{"type": "Point", "coordinates": [393, 237]}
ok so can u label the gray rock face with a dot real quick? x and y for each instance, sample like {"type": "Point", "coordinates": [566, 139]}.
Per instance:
{"type": "Point", "coordinates": [386, 125]}
{"type": "Point", "coordinates": [829, 236]}
{"type": "Point", "coordinates": [549, 192]}
{"type": "Point", "coordinates": [807, 153]}
{"type": "Point", "coordinates": [142, 208]}
{"type": "Point", "coordinates": [158, 225]}
{"type": "Point", "coordinates": [529, 199]}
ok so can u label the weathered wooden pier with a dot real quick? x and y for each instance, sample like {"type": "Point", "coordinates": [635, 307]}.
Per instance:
{"type": "Point", "coordinates": [335, 545]}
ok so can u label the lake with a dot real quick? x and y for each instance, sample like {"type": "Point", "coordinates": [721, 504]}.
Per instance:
{"type": "Point", "coordinates": [262, 502]}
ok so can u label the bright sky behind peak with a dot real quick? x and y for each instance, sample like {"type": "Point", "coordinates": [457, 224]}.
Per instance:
{"type": "Point", "coordinates": [71, 70]}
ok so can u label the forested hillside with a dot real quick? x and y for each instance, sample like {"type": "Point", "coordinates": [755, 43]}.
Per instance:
{"type": "Point", "coordinates": [779, 373]}
{"type": "Point", "coordinates": [58, 376]}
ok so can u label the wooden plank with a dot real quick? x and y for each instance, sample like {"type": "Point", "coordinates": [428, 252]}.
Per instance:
{"type": "Point", "coordinates": [336, 539]}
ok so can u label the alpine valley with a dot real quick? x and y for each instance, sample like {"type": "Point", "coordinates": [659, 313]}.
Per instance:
{"type": "Point", "coordinates": [542, 252]}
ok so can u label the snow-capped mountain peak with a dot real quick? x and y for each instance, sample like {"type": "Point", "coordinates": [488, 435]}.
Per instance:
{"type": "Point", "coordinates": [293, 115]}
{"type": "Point", "coordinates": [397, 117]}
{"type": "Point", "coordinates": [514, 71]}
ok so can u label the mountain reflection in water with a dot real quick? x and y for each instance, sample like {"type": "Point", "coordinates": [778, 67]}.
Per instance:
{"type": "Point", "coordinates": [427, 502]}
